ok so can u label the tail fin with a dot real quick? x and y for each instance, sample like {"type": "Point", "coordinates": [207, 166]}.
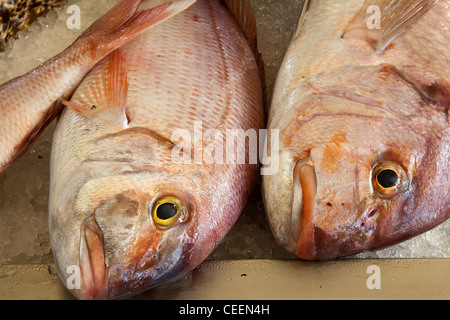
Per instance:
{"type": "Point", "coordinates": [124, 23]}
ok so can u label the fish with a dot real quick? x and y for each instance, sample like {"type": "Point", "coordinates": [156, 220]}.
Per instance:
{"type": "Point", "coordinates": [18, 15]}
{"type": "Point", "coordinates": [361, 107]}
{"type": "Point", "coordinates": [28, 103]}
{"type": "Point", "coordinates": [126, 214]}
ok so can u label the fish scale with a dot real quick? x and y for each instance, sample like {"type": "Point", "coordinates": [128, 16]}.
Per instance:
{"type": "Point", "coordinates": [24, 116]}
{"type": "Point", "coordinates": [190, 98]}
{"type": "Point", "coordinates": [333, 51]}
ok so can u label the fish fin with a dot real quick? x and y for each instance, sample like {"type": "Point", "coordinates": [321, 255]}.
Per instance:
{"type": "Point", "coordinates": [301, 21]}
{"type": "Point", "coordinates": [114, 18]}
{"type": "Point", "coordinates": [117, 83]}
{"type": "Point", "coordinates": [123, 23]}
{"type": "Point", "coordinates": [243, 13]}
{"type": "Point", "coordinates": [78, 108]}
{"type": "Point", "coordinates": [107, 90]}
{"type": "Point", "coordinates": [117, 27]}
{"type": "Point", "coordinates": [394, 18]}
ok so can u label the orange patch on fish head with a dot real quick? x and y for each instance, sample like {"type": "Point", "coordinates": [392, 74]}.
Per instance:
{"type": "Point", "coordinates": [145, 239]}
{"type": "Point", "coordinates": [334, 150]}
{"type": "Point", "coordinates": [357, 183]}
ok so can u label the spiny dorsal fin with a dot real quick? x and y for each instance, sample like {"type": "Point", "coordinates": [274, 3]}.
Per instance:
{"type": "Point", "coordinates": [243, 13]}
{"type": "Point", "coordinates": [395, 17]}
{"type": "Point", "coordinates": [109, 90]}
{"type": "Point", "coordinates": [302, 18]}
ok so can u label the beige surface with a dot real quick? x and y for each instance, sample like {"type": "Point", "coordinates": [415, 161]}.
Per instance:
{"type": "Point", "coordinates": [264, 280]}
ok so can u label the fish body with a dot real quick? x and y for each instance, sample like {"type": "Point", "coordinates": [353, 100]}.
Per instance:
{"type": "Point", "coordinates": [362, 112]}
{"type": "Point", "coordinates": [121, 208]}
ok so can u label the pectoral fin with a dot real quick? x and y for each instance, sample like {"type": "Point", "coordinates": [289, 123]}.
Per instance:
{"type": "Point", "coordinates": [107, 89]}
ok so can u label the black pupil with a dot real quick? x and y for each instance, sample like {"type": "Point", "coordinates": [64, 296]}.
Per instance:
{"type": "Point", "coordinates": [387, 178]}
{"type": "Point", "coordinates": [166, 211]}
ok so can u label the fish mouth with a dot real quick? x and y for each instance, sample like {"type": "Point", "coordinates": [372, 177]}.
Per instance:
{"type": "Point", "coordinates": [139, 283]}
{"type": "Point", "coordinates": [305, 189]}
{"type": "Point", "coordinates": [94, 280]}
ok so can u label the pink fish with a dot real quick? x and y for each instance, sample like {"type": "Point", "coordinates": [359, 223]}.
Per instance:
{"type": "Point", "coordinates": [122, 210]}
{"type": "Point", "coordinates": [362, 108]}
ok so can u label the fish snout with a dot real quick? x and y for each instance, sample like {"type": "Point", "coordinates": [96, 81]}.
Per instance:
{"type": "Point", "coordinates": [323, 229]}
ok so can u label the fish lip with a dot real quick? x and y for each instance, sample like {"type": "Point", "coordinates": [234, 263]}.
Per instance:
{"type": "Point", "coordinates": [125, 288]}
{"type": "Point", "coordinates": [94, 282]}
{"type": "Point", "coordinates": [305, 188]}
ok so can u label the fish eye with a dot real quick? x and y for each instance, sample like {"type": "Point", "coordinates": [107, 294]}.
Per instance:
{"type": "Point", "coordinates": [389, 179]}
{"type": "Point", "coordinates": [168, 212]}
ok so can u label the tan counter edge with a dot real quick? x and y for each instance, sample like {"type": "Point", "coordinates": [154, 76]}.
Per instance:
{"type": "Point", "coordinates": [265, 280]}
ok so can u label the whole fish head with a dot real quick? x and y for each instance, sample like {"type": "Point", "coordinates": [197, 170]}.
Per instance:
{"type": "Point", "coordinates": [136, 227]}
{"type": "Point", "coordinates": [358, 172]}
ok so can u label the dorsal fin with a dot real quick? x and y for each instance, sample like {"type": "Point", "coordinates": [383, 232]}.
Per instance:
{"type": "Point", "coordinates": [387, 19]}
{"type": "Point", "coordinates": [301, 21]}
{"type": "Point", "coordinates": [243, 13]}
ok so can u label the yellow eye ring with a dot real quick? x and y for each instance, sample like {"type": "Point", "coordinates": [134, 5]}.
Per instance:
{"type": "Point", "coordinates": [389, 179]}
{"type": "Point", "coordinates": [168, 211]}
